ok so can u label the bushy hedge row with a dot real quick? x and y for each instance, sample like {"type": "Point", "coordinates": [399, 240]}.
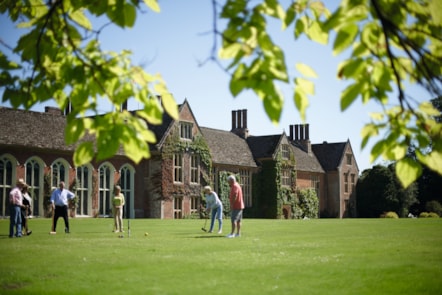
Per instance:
{"type": "Point", "coordinates": [428, 215]}
{"type": "Point", "coordinates": [392, 214]}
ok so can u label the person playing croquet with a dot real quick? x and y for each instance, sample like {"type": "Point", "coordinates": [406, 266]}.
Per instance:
{"type": "Point", "coordinates": [215, 207]}
{"type": "Point", "coordinates": [236, 206]}
{"type": "Point", "coordinates": [118, 204]}
{"type": "Point", "coordinates": [59, 201]}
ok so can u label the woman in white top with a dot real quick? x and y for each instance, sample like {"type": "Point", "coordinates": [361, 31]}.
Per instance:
{"type": "Point", "coordinates": [215, 207]}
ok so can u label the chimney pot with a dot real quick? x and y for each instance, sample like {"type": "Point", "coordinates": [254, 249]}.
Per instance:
{"type": "Point", "coordinates": [307, 137]}
{"type": "Point", "coordinates": [244, 118]}
{"type": "Point", "coordinates": [234, 120]}
{"type": "Point", "coordinates": [291, 132]}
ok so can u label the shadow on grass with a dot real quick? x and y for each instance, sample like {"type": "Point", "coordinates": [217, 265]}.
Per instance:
{"type": "Point", "coordinates": [209, 236]}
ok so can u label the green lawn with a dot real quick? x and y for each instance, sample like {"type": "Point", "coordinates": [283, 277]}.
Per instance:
{"type": "Point", "coordinates": [325, 256]}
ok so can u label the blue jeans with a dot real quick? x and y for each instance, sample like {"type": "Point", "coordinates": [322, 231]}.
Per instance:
{"type": "Point", "coordinates": [218, 214]}
{"type": "Point", "coordinates": [15, 221]}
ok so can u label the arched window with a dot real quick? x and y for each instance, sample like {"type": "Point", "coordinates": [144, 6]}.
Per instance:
{"type": "Point", "coordinates": [7, 176]}
{"type": "Point", "coordinates": [84, 189]}
{"type": "Point", "coordinates": [127, 188]}
{"type": "Point", "coordinates": [34, 178]}
{"type": "Point", "coordinates": [60, 172]}
{"type": "Point", "coordinates": [105, 188]}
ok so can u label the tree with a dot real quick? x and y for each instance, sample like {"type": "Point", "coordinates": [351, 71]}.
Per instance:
{"type": "Point", "coordinates": [429, 188]}
{"type": "Point", "coordinates": [378, 191]}
{"type": "Point", "coordinates": [389, 43]}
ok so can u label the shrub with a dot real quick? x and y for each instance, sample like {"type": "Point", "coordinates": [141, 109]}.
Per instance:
{"type": "Point", "coordinates": [429, 215]}
{"type": "Point", "coordinates": [434, 206]}
{"type": "Point", "coordinates": [390, 214]}
{"type": "Point", "coordinates": [433, 215]}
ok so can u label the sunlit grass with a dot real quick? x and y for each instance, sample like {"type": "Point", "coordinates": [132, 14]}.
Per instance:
{"type": "Point", "coordinates": [326, 256]}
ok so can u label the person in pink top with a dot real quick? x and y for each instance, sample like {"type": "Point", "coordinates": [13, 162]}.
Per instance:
{"type": "Point", "coordinates": [15, 204]}
{"type": "Point", "coordinates": [236, 206]}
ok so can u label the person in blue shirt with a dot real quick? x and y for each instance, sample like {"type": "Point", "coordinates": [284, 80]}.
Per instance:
{"type": "Point", "coordinates": [215, 207]}
{"type": "Point", "coordinates": [59, 200]}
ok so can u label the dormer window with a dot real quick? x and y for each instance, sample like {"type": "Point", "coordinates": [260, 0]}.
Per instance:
{"type": "Point", "coordinates": [186, 130]}
{"type": "Point", "coordinates": [349, 159]}
{"type": "Point", "coordinates": [285, 151]}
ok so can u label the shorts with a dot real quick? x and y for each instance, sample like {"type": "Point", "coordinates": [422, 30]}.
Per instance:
{"type": "Point", "coordinates": [236, 215]}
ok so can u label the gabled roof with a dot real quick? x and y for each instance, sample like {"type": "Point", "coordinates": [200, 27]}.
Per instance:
{"type": "Point", "coordinates": [33, 129]}
{"type": "Point", "coordinates": [264, 146]}
{"type": "Point", "coordinates": [161, 131]}
{"type": "Point", "coordinates": [227, 148]}
{"type": "Point", "coordinates": [330, 154]}
{"type": "Point", "coordinates": [305, 161]}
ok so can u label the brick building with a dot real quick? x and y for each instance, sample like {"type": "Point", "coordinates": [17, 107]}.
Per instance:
{"type": "Point", "coordinates": [185, 158]}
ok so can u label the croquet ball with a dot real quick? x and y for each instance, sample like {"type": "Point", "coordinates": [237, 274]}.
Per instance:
{"type": "Point", "coordinates": [146, 234]}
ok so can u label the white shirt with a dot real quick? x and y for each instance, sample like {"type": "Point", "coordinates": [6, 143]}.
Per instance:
{"type": "Point", "coordinates": [60, 197]}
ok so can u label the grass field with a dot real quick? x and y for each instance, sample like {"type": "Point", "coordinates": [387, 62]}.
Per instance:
{"type": "Point", "coordinates": [325, 256]}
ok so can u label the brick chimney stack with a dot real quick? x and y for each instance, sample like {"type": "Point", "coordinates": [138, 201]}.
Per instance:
{"type": "Point", "coordinates": [239, 123]}
{"type": "Point", "coordinates": [299, 134]}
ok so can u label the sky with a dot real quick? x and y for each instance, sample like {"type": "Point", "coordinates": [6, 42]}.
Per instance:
{"type": "Point", "coordinates": [177, 40]}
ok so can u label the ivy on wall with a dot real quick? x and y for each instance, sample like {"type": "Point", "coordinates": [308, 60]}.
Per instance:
{"type": "Point", "coordinates": [47, 191]}
{"type": "Point", "coordinates": [269, 193]}
{"type": "Point", "coordinates": [174, 145]}
{"type": "Point", "coordinates": [198, 145]}
{"type": "Point", "coordinates": [224, 189]}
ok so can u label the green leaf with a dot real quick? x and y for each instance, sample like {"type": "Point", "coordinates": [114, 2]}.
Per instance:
{"type": "Point", "coordinates": [377, 150]}
{"type": "Point", "coordinates": [317, 34]}
{"type": "Point", "coordinates": [152, 112]}
{"type": "Point", "coordinates": [230, 51]}
{"type": "Point", "coordinates": [130, 14]}
{"type": "Point", "coordinates": [289, 17]}
{"type": "Point", "coordinates": [273, 106]}
{"type": "Point", "coordinates": [107, 146]}
{"type": "Point", "coordinates": [136, 150]}
{"type": "Point", "coordinates": [170, 105]}
{"type": "Point", "coordinates": [301, 102]}
{"type": "Point", "coordinates": [381, 76]}
{"type": "Point", "coordinates": [349, 95]}
{"type": "Point", "coordinates": [397, 151]}
{"type": "Point", "coordinates": [238, 82]}
{"type": "Point", "coordinates": [300, 26]}
{"type": "Point", "coordinates": [408, 171]}
{"type": "Point", "coordinates": [7, 64]}
{"type": "Point", "coordinates": [83, 154]}
{"type": "Point", "coordinates": [74, 130]}
{"type": "Point", "coordinates": [306, 70]}
{"type": "Point", "coordinates": [304, 85]}
{"type": "Point", "coordinates": [79, 17]}
{"type": "Point", "coordinates": [152, 4]}
{"type": "Point", "coordinates": [352, 68]}
{"type": "Point", "coordinates": [344, 38]}
{"type": "Point", "coordinates": [432, 160]}
{"type": "Point", "coordinates": [122, 14]}
{"type": "Point", "coordinates": [368, 131]}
